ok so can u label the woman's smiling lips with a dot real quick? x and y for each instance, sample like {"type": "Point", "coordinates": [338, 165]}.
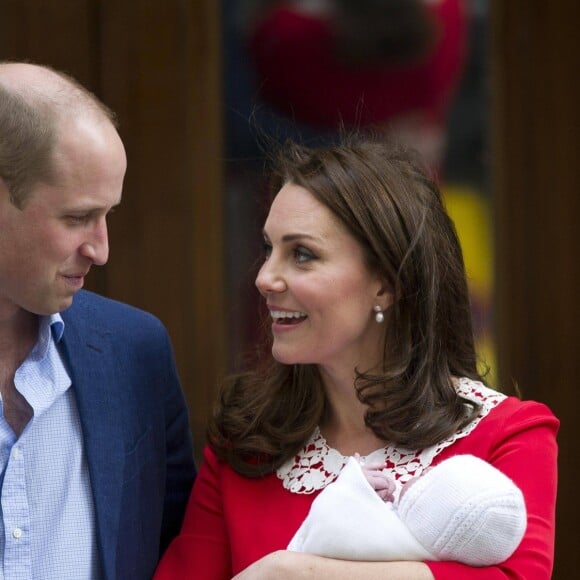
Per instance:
{"type": "Point", "coordinates": [286, 319]}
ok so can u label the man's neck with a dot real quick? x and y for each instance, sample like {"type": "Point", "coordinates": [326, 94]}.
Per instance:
{"type": "Point", "coordinates": [18, 335]}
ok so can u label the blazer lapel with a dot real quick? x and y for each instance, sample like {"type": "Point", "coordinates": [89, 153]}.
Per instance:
{"type": "Point", "coordinates": [90, 362]}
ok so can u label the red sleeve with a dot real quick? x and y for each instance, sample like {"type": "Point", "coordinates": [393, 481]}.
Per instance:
{"type": "Point", "coordinates": [202, 548]}
{"type": "Point", "coordinates": [520, 440]}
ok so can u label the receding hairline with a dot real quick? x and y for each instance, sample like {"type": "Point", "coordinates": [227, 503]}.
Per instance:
{"type": "Point", "coordinates": [60, 94]}
{"type": "Point", "coordinates": [38, 105]}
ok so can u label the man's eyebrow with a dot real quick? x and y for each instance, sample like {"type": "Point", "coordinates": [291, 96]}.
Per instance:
{"type": "Point", "coordinates": [91, 209]}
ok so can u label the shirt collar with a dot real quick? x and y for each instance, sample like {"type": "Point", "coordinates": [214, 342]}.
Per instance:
{"type": "Point", "coordinates": [55, 323]}
{"type": "Point", "coordinates": [50, 327]}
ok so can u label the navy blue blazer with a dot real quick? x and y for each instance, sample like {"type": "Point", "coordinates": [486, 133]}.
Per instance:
{"type": "Point", "coordinates": [135, 427]}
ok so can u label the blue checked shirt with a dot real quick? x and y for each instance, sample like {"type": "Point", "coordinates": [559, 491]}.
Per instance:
{"type": "Point", "coordinates": [47, 523]}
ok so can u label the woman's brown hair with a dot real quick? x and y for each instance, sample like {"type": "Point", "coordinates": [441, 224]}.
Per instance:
{"type": "Point", "coordinates": [386, 200]}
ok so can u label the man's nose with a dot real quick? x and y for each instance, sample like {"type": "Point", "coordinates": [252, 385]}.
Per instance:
{"type": "Point", "coordinates": [96, 247]}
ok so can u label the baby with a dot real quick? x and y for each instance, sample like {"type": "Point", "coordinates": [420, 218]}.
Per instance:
{"type": "Point", "coordinates": [463, 509]}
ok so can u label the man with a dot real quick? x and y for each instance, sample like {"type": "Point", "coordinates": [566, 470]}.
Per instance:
{"type": "Point", "coordinates": [95, 449]}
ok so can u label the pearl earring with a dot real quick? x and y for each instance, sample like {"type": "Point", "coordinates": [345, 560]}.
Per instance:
{"type": "Point", "coordinates": [379, 316]}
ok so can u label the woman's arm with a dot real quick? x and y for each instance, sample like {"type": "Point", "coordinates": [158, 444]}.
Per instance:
{"type": "Point", "coordinates": [519, 440]}
{"type": "Point", "coordinates": [202, 549]}
{"type": "Point", "coordinates": [284, 565]}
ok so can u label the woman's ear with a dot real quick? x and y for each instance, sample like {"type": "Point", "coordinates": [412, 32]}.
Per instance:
{"type": "Point", "coordinates": [385, 296]}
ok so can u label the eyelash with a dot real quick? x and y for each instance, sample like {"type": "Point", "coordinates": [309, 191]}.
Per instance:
{"type": "Point", "coordinates": [267, 249]}
{"type": "Point", "coordinates": [301, 254]}
{"type": "Point", "coordinates": [78, 219]}
{"type": "Point", "coordinates": [83, 219]}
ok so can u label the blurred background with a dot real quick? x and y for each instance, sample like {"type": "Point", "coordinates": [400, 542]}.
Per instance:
{"type": "Point", "coordinates": [488, 91]}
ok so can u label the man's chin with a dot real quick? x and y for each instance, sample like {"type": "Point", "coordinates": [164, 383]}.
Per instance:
{"type": "Point", "coordinates": [53, 307]}
{"type": "Point", "coordinates": [66, 303]}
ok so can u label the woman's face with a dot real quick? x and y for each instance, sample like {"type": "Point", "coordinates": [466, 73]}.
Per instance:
{"type": "Point", "coordinates": [318, 290]}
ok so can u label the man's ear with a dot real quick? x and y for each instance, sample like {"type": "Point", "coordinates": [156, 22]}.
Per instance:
{"type": "Point", "coordinates": [6, 195]}
{"type": "Point", "coordinates": [4, 192]}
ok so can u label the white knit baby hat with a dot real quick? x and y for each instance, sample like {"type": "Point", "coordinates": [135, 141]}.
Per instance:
{"type": "Point", "coordinates": [466, 510]}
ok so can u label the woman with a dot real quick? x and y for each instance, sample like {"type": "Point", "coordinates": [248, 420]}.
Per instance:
{"type": "Point", "coordinates": [373, 354]}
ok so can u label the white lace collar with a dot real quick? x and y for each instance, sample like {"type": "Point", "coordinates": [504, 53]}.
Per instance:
{"type": "Point", "coordinates": [317, 464]}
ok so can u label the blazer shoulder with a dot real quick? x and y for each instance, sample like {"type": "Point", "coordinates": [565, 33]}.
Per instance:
{"type": "Point", "coordinates": [102, 311]}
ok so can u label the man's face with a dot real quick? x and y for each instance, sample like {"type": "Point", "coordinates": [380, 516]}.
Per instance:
{"type": "Point", "coordinates": [48, 246]}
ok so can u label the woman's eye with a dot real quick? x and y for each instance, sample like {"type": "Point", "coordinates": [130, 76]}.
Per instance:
{"type": "Point", "coordinates": [266, 250]}
{"type": "Point", "coordinates": [302, 255]}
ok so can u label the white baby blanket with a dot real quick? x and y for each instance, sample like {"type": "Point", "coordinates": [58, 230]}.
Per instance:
{"type": "Point", "coordinates": [349, 521]}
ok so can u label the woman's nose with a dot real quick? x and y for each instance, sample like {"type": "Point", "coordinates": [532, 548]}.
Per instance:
{"type": "Point", "coordinates": [270, 278]}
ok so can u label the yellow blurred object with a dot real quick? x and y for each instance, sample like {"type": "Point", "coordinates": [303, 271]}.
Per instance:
{"type": "Point", "coordinates": [470, 212]}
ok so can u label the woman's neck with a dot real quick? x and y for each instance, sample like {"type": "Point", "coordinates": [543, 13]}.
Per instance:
{"type": "Point", "coordinates": [343, 424]}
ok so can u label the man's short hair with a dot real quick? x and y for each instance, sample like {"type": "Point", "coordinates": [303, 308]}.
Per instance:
{"type": "Point", "coordinates": [29, 122]}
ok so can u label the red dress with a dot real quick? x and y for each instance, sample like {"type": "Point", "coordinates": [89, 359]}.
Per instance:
{"type": "Point", "coordinates": [232, 521]}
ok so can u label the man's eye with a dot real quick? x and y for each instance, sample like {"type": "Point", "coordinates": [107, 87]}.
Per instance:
{"type": "Point", "coordinates": [78, 219]}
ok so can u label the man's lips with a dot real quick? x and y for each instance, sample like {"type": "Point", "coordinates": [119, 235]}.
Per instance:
{"type": "Point", "coordinates": [77, 274]}
{"type": "Point", "coordinates": [75, 279]}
